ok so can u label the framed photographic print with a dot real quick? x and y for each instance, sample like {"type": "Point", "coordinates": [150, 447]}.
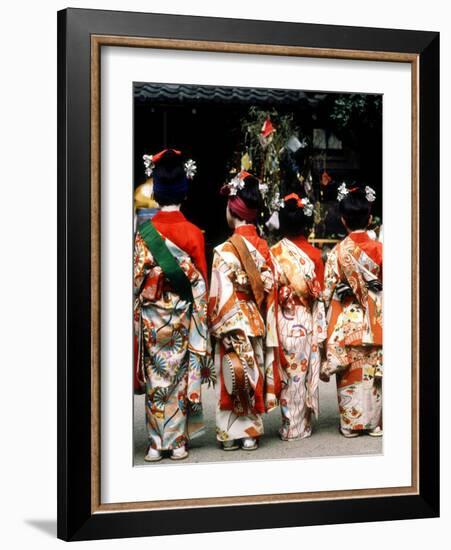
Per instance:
{"type": "Point", "coordinates": [230, 194]}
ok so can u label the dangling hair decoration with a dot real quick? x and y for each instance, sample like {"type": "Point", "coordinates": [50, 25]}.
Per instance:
{"type": "Point", "coordinates": [342, 192]}
{"type": "Point", "coordinates": [305, 204]}
{"type": "Point", "coordinates": [148, 165]}
{"type": "Point", "coordinates": [230, 189]}
{"type": "Point", "coordinates": [150, 162]}
{"type": "Point", "coordinates": [370, 194]}
{"type": "Point", "coordinates": [190, 169]}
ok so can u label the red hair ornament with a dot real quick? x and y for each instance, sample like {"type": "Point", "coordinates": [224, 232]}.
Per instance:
{"type": "Point", "coordinates": [305, 204]}
{"type": "Point", "coordinates": [150, 161]}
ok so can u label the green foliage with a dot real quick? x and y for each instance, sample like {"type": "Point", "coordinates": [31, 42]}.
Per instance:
{"type": "Point", "coordinates": [354, 118]}
{"type": "Point", "coordinates": [354, 115]}
{"type": "Point", "coordinates": [265, 155]}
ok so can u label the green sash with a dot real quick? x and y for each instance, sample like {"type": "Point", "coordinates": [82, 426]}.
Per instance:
{"type": "Point", "coordinates": [170, 266]}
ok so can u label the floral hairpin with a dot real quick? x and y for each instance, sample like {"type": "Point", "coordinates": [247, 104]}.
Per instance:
{"type": "Point", "coordinates": [307, 206]}
{"type": "Point", "coordinates": [303, 203]}
{"type": "Point", "coordinates": [370, 193]}
{"type": "Point", "coordinates": [231, 188]}
{"type": "Point", "coordinates": [234, 185]}
{"type": "Point", "coordinates": [276, 202]}
{"type": "Point", "coordinates": [190, 169]}
{"type": "Point", "coordinates": [149, 165]}
{"type": "Point", "coordinates": [342, 192]}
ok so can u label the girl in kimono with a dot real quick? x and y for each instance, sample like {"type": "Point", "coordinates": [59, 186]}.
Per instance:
{"type": "Point", "coordinates": [170, 311]}
{"type": "Point", "coordinates": [301, 318]}
{"type": "Point", "coordinates": [353, 293]}
{"type": "Point", "coordinates": [241, 313]}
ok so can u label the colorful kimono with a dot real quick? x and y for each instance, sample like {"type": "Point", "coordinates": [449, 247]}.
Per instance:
{"type": "Point", "coordinates": [354, 338]}
{"type": "Point", "coordinates": [247, 330]}
{"type": "Point", "coordinates": [302, 329]}
{"type": "Point", "coordinates": [172, 337]}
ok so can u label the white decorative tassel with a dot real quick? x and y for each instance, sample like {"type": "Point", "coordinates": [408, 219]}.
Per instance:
{"type": "Point", "coordinates": [370, 194]}
{"type": "Point", "coordinates": [190, 169]}
{"type": "Point", "coordinates": [148, 165]}
{"type": "Point", "coordinates": [342, 192]}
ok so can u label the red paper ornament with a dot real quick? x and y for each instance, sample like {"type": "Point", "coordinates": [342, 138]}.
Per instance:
{"type": "Point", "coordinates": [325, 179]}
{"type": "Point", "coordinates": [267, 128]}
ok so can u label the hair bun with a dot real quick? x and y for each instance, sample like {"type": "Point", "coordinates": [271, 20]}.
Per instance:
{"type": "Point", "coordinates": [170, 158]}
{"type": "Point", "coordinates": [291, 205]}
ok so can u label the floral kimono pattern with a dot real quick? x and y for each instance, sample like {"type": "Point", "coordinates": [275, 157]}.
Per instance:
{"type": "Point", "coordinates": [354, 339]}
{"type": "Point", "coordinates": [172, 348]}
{"type": "Point", "coordinates": [239, 325]}
{"type": "Point", "coordinates": [302, 329]}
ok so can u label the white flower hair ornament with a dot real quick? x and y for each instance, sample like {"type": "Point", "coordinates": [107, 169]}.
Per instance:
{"type": "Point", "coordinates": [342, 192]}
{"type": "Point", "coordinates": [304, 203]}
{"type": "Point", "coordinates": [150, 161]}
{"type": "Point", "coordinates": [370, 194]}
{"type": "Point", "coordinates": [190, 169]}
{"type": "Point", "coordinates": [148, 165]}
{"type": "Point", "coordinates": [231, 188]}
{"type": "Point", "coordinates": [307, 206]}
{"type": "Point", "coordinates": [276, 203]}
{"type": "Point", "coordinates": [235, 184]}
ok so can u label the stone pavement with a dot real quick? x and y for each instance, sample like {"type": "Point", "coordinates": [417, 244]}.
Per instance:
{"type": "Point", "coordinates": [325, 440]}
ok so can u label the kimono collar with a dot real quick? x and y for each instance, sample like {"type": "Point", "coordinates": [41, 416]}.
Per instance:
{"type": "Point", "coordinates": [173, 216]}
{"type": "Point", "coordinates": [248, 230]}
{"type": "Point", "coordinates": [298, 239]}
{"type": "Point", "coordinates": [359, 236]}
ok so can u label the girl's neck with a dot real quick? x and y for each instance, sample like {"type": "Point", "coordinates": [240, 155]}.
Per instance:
{"type": "Point", "coordinates": [171, 208]}
{"type": "Point", "coordinates": [239, 223]}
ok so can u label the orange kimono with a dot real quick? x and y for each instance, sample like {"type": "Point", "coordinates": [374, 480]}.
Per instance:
{"type": "Point", "coordinates": [246, 336]}
{"type": "Point", "coordinates": [354, 337]}
{"type": "Point", "coordinates": [302, 329]}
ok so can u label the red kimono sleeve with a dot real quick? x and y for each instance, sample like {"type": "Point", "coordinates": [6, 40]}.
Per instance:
{"type": "Point", "coordinates": [197, 252]}
{"type": "Point", "coordinates": [319, 270]}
